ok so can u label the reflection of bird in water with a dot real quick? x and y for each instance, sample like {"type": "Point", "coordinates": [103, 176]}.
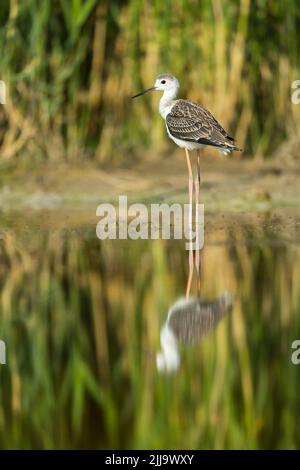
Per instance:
{"type": "Point", "coordinates": [189, 319]}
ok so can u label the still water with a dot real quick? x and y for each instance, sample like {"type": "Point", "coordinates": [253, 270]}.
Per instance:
{"type": "Point", "coordinates": [105, 350]}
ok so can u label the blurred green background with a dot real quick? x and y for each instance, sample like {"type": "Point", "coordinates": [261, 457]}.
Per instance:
{"type": "Point", "coordinates": [71, 66]}
{"type": "Point", "coordinates": [81, 317]}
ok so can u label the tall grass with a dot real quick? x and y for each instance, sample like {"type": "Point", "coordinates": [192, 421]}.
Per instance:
{"type": "Point", "coordinates": [81, 321]}
{"type": "Point", "coordinates": [70, 66]}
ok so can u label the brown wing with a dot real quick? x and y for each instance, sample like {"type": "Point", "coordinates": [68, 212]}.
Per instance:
{"type": "Point", "coordinates": [191, 319]}
{"type": "Point", "coordinates": [189, 121]}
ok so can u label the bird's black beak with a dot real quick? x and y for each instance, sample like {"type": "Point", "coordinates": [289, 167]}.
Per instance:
{"type": "Point", "coordinates": [144, 92]}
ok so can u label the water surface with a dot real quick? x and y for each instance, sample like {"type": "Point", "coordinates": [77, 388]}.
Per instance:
{"type": "Point", "coordinates": [82, 319]}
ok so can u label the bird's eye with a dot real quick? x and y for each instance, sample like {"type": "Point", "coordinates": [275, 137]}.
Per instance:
{"type": "Point", "coordinates": [163, 82]}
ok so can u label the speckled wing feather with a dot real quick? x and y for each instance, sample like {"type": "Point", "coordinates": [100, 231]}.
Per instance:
{"type": "Point", "coordinates": [189, 121]}
{"type": "Point", "coordinates": [191, 319]}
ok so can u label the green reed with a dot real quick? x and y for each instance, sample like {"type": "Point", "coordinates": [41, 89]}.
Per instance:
{"type": "Point", "coordinates": [71, 67]}
{"type": "Point", "coordinates": [81, 320]}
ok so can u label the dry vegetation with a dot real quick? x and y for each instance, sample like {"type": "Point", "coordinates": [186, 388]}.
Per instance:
{"type": "Point", "coordinates": [70, 66]}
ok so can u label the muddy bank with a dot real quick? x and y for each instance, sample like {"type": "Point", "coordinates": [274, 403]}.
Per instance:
{"type": "Point", "coordinates": [227, 184]}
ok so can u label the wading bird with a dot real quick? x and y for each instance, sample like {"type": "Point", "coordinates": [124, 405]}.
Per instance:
{"type": "Point", "coordinates": [188, 321]}
{"type": "Point", "coordinates": [189, 125]}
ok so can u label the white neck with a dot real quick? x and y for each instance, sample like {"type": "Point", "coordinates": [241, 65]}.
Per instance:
{"type": "Point", "coordinates": [167, 101]}
{"type": "Point", "coordinates": [168, 359]}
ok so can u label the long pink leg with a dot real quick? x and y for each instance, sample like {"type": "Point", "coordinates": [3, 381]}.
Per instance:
{"type": "Point", "coordinates": [191, 254]}
{"type": "Point", "coordinates": [191, 269]}
{"type": "Point", "coordinates": [197, 201]}
{"type": "Point", "coordinates": [190, 187]}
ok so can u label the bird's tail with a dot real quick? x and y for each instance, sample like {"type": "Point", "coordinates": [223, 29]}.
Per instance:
{"type": "Point", "coordinates": [230, 148]}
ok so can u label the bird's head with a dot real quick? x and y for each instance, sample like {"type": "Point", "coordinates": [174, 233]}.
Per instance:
{"type": "Point", "coordinates": [164, 82]}
{"type": "Point", "coordinates": [168, 359]}
{"type": "Point", "coordinates": [167, 363]}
